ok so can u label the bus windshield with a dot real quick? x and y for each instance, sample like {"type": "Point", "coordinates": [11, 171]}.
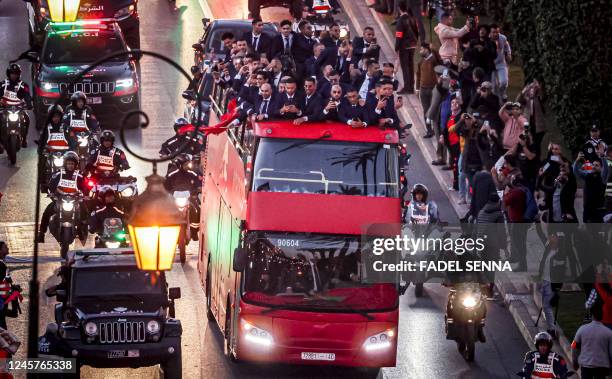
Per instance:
{"type": "Point", "coordinates": [326, 167]}
{"type": "Point", "coordinates": [306, 272]}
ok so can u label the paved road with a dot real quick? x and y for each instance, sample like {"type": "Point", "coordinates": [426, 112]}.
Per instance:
{"type": "Point", "coordinates": [169, 29]}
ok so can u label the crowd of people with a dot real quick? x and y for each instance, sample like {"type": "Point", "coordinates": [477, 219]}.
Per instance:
{"type": "Point", "coordinates": [301, 77]}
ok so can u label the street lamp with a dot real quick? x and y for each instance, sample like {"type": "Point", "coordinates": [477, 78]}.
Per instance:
{"type": "Point", "coordinates": [154, 225]}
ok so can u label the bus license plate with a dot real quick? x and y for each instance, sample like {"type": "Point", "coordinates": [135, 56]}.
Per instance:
{"type": "Point", "coordinates": [94, 100]}
{"type": "Point", "coordinates": [318, 356]}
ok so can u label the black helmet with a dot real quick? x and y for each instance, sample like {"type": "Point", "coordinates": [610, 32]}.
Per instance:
{"type": "Point", "coordinates": [13, 68]}
{"type": "Point", "coordinates": [179, 123]}
{"type": "Point", "coordinates": [107, 135]}
{"type": "Point", "coordinates": [182, 159]}
{"type": "Point", "coordinates": [543, 337]}
{"type": "Point", "coordinates": [107, 190]}
{"type": "Point", "coordinates": [71, 156]}
{"type": "Point", "coordinates": [78, 95]}
{"type": "Point", "coordinates": [55, 109]}
{"type": "Point", "coordinates": [420, 188]}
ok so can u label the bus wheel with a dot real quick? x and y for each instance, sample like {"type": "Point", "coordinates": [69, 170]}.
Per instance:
{"type": "Point", "coordinates": [229, 353]}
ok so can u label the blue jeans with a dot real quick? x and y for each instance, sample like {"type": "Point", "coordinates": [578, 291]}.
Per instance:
{"type": "Point", "coordinates": [463, 186]}
{"type": "Point", "coordinates": [499, 79]}
{"type": "Point", "coordinates": [547, 295]}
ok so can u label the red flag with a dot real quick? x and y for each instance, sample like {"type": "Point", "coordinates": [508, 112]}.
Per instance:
{"type": "Point", "coordinates": [226, 119]}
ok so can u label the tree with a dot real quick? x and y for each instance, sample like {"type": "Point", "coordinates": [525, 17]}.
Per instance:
{"type": "Point", "coordinates": [567, 45]}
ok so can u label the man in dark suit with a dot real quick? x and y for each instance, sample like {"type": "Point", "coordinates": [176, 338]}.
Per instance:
{"type": "Point", "coordinates": [332, 79]}
{"type": "Point", "coordinates": [388, 74]}
{"type": "Point", "coordinates": [257, 40]}
{"type": "Point", "coordinates": [365, 82]}
{"type": "Point", "coordinates": [365, 47]}
{"type": "Point", "coordinates": [406, 40]}
{"type": "Point", "coordinates": [302, 47]}
{"type": "Point", "coordinates": [266, 104]}
{"type": "Point", "coordinates": [381, 106]}
{"type": "Point", "coordinates": [340, 60]}
{"type": "Point", "coordinates": [311, 108]}
{"type": "Point", "coordinates": [282, 43]}
{"type": "Point", "coordinates": [330, 112]}
{"type": "Point", "coordinates": [289, 101]}
{"type": "Point", "coordinates": [313, 64]}
{"type": "Point", "coordinates": [351, 112]}
{"type": "Point", "coordinates": [333, 37]}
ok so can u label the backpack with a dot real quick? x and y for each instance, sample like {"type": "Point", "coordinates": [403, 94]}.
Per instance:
{"type": "Point", "coordinates": [531, 206]}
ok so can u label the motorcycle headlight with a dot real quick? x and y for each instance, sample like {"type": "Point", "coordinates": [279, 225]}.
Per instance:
{"type": "Point", "coordinates": [68, 206]}
{"type": "Point", "coordinates": [343, 33]}
{"type": "Point", "coordinates": [83, 141]}
{"type": "Point", "coordinates": [127, 192]}
{"type": "Point", "coordinates": [125, 11]}
{"type": "Point", "coordinates": [181, 202]}
{"type": "Point", "coordinates": [379, 341]}
{"type": "Point", "coordinates": [124, 83]}
{"type": "Point", "coordinates": [58, 161]}
{"type": "Point", "coordinates": [113, 244]}
{"type": "Point", "coordinates": [91, 329]}
{"type": "Point", "coordinates": [469, 301]}
{"type": "Point", "coordinates": [153, 327]}
{"type": "Point", "coordinates": [13, 117]}
{"type": "Point", "coordinates": [256, 335]}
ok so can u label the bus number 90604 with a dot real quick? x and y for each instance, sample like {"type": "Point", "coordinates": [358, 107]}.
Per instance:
{"type": "Point", "coordinates": [287, 243]}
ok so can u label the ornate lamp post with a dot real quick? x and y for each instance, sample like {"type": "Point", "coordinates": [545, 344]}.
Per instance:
{"type": "Point", "coordinates": [154, 223]}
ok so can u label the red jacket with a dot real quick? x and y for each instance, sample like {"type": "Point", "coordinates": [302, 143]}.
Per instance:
{"type": "Point", "coordinates": [607, 303]}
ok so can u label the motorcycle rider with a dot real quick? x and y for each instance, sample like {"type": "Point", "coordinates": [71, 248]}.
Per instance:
{"type": "Point", "coordinates": [420, 211]}
{"type": "Point", "coordinates": [107, 160]}
{"type": "Point", "coordinates": [67, 181]}
{"type": "Point", "coordinates": [542, 362]}
{"type": "Point", "coordinates": [79, 118]}
{"type": "Point", "coordinates": [16, 92]}
{"type": "Point", "coordinates": [195, 144]}
{"type": "Point", "coordinates": [54, 136]}
{"type": "Point", "coordinates": [108, 209]}
{"type": "Point", "coordinates": [183, 179]}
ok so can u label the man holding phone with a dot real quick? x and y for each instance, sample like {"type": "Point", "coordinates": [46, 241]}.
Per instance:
{"type": "Point", "coordinates": [351, 112]}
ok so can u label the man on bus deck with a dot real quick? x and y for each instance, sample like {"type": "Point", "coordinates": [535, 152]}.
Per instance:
{"type": "Point", "coordinates": [330, 112]}
{"type": "Point", "coordinates": [382, 105]}
{"type": "Point", "coordinates": [351, 112]}
{"type": "Point", "coordinates": [265, 107]}
{"type": "Point", "coordinates": [289, 100]}
{"type": "Point", "coordinates": [311, 108]}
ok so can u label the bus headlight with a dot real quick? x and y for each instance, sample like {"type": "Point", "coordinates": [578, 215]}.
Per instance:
{"type": "Point", "coordinates": [256, 335]}
{"type": "Point", "coordinates": [379, 341]}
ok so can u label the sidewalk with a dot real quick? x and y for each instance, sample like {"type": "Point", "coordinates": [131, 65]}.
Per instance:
{"type": "Point", "coordinates": [517, 289]}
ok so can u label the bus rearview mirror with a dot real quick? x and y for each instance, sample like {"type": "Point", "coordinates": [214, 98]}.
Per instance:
{"type": "Point", "coordinates": [240, 259]}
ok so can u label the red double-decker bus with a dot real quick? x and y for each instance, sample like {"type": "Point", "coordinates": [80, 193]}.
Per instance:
{"type": "Point", "coordinates": [280, 242]}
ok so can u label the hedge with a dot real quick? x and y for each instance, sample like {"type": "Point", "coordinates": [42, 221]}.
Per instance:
{"type": "Point", "coordinates": [568, 46]}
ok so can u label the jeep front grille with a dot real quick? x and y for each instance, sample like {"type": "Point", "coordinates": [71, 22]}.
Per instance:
{"type": "Point", "coordinates": [89, 88]}
{"type": "Point", "coordinates": [122, 332]}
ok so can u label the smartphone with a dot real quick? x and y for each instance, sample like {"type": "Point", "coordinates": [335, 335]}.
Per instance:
{"type": "Point", "coordinates": [554, 158]}
{"type": "Point", "coordinates": [546, 166]}
{"type": "Point", "coordinates": [486, 124]}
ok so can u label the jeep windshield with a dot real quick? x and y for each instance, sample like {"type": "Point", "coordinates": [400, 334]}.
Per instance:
{"type": "Point", "coordinates": [312, 273]}
{"type": "Point", "coordinates": [116, 283]}
{"type": "Point", "coordinates": [82, 46]}
{"type": "Point", "coordinates": [326, 167]}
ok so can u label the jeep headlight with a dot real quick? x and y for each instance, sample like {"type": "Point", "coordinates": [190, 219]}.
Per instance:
{"type": "Point", "coordinates": [48, 86]}
{"type": "Point", "coordinates": [13, 117]}
{"type": "Point", "coordinates": [125, 11]}
{"type": "Point", "coordinates": [68, 206]}
{"type": "Point", "coordinates": [58, 161]}
{"type": "Point", "coordinates": [153, 327]}
{"type": "Point", "coordinates": [91, 329]}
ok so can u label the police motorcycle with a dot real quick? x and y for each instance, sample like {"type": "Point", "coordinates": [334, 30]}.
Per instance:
{"type": "Point", "coordinates": [13, 120]}
{"type": "Point", "coordinates": [114, 235]}
{"type": "Point", "coordinates": [54, 148]}
{"type": "Point", "coordinates": [421, 220]}
{"type": "Point", "coordinates": [124, 186]}
{"type": "Point", "coordinates": [85, 143]}
{"type": "Point", "coordinates": [466, 312]}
